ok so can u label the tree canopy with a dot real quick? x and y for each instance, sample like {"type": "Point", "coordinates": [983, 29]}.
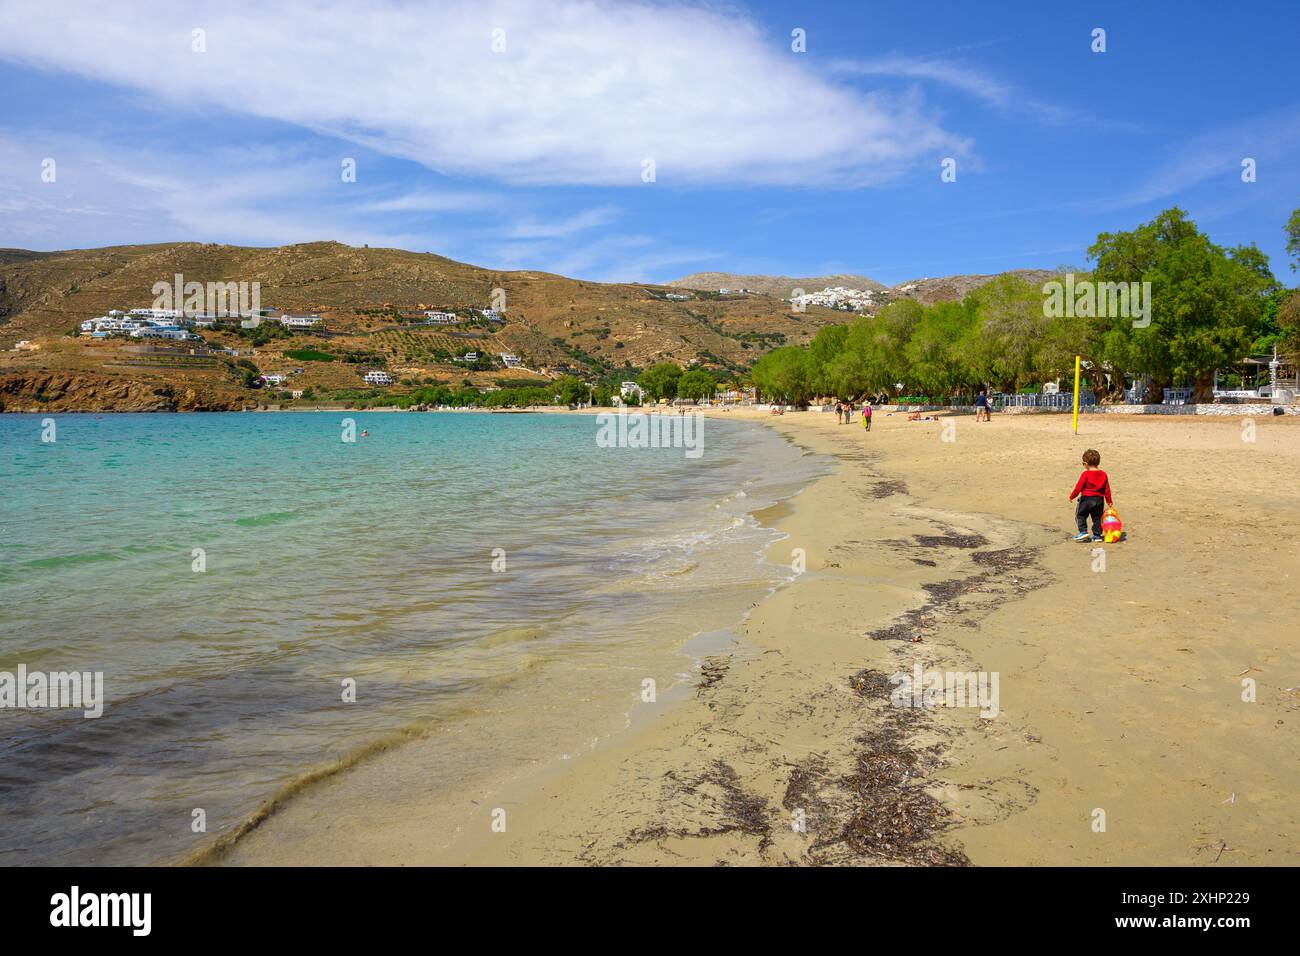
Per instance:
{"type": "Point", "coordinates": [660, 380]}
{"type": "Point", "coordinates": [1207, 308]}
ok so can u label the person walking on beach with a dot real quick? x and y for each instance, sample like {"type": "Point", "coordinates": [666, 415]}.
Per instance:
{"type": "Point", "coordinates": [981, 406]}
{"type": "Point", "coordinates": [839, 413]}
{"type": "Point", "coordinates": [866, 415]}
{"type": "Point", "coordinates": [848, 412]}
{"type": "Point", "coordinates": [1093, 491]}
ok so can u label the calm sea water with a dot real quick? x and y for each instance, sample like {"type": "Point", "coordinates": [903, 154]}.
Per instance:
{"type": "Point", "coordinates": [330, 562]}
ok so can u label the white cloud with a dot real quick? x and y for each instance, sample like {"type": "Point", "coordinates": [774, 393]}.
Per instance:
{"type": "Point", "coordinates": [582, 93]}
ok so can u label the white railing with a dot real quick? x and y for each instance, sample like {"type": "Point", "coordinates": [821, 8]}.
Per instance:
{"type": "Point", "coordinates": [1059, 400]}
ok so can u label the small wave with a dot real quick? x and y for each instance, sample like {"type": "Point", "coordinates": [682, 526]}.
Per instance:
{"type": "Point", "coordinates": [72, 560]}
{"type": "Point", "coordinates": [213, 852]}
{"type": "Point", "coordinates": [271, 517]}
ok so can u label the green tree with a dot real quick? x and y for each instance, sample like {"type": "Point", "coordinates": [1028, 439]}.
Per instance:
{"type": "Point", "coordinates": [827, 345]}
{"type": "Point", "coordinates": [571, 389]}
{"type": "Point", "coordinates": [1206, 302]}
{"type": "Point", "coordinates": [1010, 344]}
{"type": "Point", "coordinates": [783, 375]}
{"type": "Point", "coordinates": [936, 350]}
{"type": "Point", "coordinates": [1288, 324]}
{"type": "Point", "coordinates": [874, 357]}
{"type": "Point", "coordinates": [1293, 238]}
{"type": "Point", "coordinates": [660, 381]}
{"type": "Point", "coordinates": [696, 384]}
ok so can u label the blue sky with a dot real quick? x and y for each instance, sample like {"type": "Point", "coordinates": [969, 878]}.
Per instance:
{"type": "Point", "coordinates": [531, 155]}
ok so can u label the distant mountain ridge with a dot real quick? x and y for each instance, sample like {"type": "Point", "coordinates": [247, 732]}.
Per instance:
{"type": "Point", "coordinates": [778, 286]}
{"type": "Point", "coordinates": [955, 288]}
{"type": "Point", "coordinates": [925, 290]}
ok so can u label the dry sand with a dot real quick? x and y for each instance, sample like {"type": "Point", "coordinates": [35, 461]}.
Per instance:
{"type": "Point", "coordinates": [1120, 690]}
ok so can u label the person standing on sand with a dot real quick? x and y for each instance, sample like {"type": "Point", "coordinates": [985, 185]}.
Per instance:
{"type": "Point", "coordinates": [866, 416]}
{"type": "Point", "coordinates": [1093, 491]}
{"type": "Point", "coordinates": [981, 406]}
{"type": "Point", "coordinates": [848, 412]}
{"type": "Point", "coordinates": [839, 413]}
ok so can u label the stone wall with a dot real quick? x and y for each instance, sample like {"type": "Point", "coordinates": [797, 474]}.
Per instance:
{"type": "Point", "coordinates": [1249, 411]}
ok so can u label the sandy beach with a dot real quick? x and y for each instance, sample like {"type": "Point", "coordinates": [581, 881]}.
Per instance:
{"type": "Point", "coordinates": [1121, 734]}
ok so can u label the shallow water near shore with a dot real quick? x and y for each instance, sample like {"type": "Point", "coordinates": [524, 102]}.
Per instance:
{"type": "Point", "coordinates": [327, 562]}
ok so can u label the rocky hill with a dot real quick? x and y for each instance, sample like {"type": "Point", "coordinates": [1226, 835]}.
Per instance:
{"type": "Point", "coordinates": [926, 290]}
{"type": "Point", "coordinates": [371, 301]}
{"type": "Point", "coordinates": [952, 288]}
{"type": "Point", "coordinates": [777, 286]}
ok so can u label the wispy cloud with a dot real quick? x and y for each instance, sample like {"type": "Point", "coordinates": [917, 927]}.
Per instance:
{"type": "Point", "coordinates": [427, 200]}
{"type": "Point", "coordinates": [108, 193]}
{"type": "Point", "coordinates": [609, 258]}
{"type": "Point", "coordinates": [1272, 139]}
{"type": "Point", "coordinates": [983, 86]}
{"type": "Point", "coordinates": [567, 226]}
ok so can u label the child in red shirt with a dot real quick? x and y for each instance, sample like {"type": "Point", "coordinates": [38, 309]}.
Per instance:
{"type": "Point", "coordinates": [1093, 491]}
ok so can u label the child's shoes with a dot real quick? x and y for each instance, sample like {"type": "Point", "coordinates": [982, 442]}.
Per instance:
{"type": "Point", "coordinates": [1082, 536]}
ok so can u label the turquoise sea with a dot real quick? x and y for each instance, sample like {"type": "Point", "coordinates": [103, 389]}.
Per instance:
{"type": "Point", "coordinates": [501, 572]}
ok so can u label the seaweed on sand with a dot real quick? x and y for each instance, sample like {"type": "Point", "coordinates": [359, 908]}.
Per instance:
{"type": "Point", "coordinates": [715, 794]}
{"type": "Point", "coordinates": [892, 817]}
{"type": "Point", "coordinates": [1007, 571]}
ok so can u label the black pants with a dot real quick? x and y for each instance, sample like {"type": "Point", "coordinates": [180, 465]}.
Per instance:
{"type": "Point", "coordinates": [1090, 506]}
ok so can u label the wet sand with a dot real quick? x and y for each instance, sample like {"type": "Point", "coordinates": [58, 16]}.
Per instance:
{"type": "Point", "coordinates": [1120, 689]}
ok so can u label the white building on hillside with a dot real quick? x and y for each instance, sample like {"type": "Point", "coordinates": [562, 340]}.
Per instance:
{"type": "Point", "coordinates": [511, 360]}
{"type": "Point", "coordinates": [376, 377]}
{"type": "Point", "coordinates": [836, 297]}
{"type": "Point", "coordinates": [173, 332]}
{"type": "Point", "coordinates": [442, 318]}
{"type": "Point", "coordinates": [298, 321]}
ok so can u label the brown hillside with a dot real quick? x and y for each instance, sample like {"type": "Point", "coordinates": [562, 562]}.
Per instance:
{"type": "Point", "coordinates": [552, 320]}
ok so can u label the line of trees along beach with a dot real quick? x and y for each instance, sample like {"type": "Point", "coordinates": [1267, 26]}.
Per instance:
{"type": "Point", "coordinates": [1210, 307]}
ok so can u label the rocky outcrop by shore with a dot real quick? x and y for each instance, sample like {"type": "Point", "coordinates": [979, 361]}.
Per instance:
{"type": "Point", "coordinates": [62, 391]}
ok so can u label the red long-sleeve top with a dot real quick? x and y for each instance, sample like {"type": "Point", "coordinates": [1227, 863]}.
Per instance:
{"type": "Point", "coordinates": [1092, 482]}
